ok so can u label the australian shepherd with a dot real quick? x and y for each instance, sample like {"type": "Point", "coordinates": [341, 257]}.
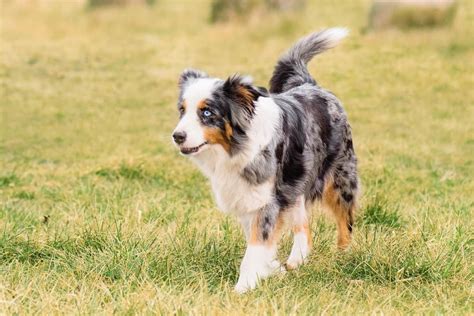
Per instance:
{"type": "Point", "coordinates": [271, 154]}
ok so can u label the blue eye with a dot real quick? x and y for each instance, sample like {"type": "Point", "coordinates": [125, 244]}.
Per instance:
{"type": "Point", "coordinates": [206, 113]}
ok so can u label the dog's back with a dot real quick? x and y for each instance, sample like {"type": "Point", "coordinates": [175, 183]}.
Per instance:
{"type": "Point", "coordinates": [320, 158]}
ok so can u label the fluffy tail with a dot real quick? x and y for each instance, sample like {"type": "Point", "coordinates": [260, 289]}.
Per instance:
{"type": "Point", "coordinates": [291, 70]}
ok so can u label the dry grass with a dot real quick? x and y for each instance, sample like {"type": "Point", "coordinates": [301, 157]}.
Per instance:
{"type": "Point", "coordinates": [99, 214]}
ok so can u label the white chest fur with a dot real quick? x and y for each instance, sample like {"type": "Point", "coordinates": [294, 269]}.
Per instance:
{"type": "Point", "coordinates": [232, 192]}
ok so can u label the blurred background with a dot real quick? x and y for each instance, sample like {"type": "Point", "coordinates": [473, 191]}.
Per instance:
{"type": "Point", "coordinates": [95, 80]}
{"type": "Point", "coordinates": [88, 102]}
{"type": "Point", "coordinates": [84, 57]}
{"type": "Point", "coordinates": [78, 70]}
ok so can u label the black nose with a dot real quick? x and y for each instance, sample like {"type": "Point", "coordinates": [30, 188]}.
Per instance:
{"type": "Point", "coordinates": [179, 137]}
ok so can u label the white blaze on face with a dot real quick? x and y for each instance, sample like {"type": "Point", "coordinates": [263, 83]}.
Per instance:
{"type": "Point", "coordinates": [196, 92]}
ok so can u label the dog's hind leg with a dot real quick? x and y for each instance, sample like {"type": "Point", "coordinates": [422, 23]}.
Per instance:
{"type": "Point", "coordinates": [302, 242]}
{"type": "Point", "coordinates": [339, 197]}
{"type": "Point", "coordinates": [263, 230]}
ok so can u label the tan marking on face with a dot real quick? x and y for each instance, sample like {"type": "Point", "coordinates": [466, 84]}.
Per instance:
{"type": "Point", "coordinates": [202, 104]}
{"type": "Point", "coordinates": [246, 95]}
{"type": "Point", "coordinates": [228, 130]}
{"type": "Point", "coordinates": [332, 201]}
{"type": "Point", "coordinates": [216, 136]}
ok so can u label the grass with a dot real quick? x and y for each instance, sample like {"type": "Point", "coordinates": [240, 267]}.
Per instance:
{"type": "Point", "coordinates": [99, 213]}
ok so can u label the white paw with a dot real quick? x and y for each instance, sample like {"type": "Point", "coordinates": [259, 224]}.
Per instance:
{"type": "Point", "coordinates": [299, 251]}
{"type": "Point", "coordinates": [245, 283]}
{"type": "Point", "coordinates": [258, 263]}
{"type": "Point", "coordinates": [293, 263]}
{"type": "Point", "coordinates": [249, 278]}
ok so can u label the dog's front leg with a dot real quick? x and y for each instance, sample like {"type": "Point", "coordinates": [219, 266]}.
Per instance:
{"type": "Point", "coordinates": [262, 230]}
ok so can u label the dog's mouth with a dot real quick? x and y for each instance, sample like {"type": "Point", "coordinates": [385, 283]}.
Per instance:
{"type": "Point", "coordinates": [191, 150]}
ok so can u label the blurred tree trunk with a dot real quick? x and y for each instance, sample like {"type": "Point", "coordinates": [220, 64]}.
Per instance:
{"type": "Point", "coordinates": [96, 3]}
{"type": "Point", "coordinates": [222, 10]}
{"type": "Point", "coordinates": [285, 5]}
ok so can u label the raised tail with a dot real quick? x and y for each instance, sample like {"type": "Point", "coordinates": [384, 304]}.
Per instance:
{"type": "Point", "coordinates": [291, 70]}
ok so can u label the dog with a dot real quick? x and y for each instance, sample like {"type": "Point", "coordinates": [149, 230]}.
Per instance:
{"type": "Point", "coordinates": [271, 154]}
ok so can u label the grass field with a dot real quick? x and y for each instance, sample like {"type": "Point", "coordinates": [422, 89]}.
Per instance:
{"type": "Point", "coordinates": [100, 214]}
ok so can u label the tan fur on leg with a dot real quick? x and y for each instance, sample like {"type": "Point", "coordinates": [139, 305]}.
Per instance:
{"type": "Point", "coordinates": [342, 213]}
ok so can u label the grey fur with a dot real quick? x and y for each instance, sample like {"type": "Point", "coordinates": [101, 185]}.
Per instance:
{"type": "Point", "coordinates": [314, 143]}
{"type": "Point", "coordinates": [261, 168]}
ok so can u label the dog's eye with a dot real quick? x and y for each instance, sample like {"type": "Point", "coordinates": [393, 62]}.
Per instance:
{"type": "Point", "coordinates": [181, 110]}
{"type": "Point", "coordinates": [206, 113]}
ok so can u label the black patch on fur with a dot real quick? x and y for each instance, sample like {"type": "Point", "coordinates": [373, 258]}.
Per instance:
{"type": "Point", "coordinates": [262, 90]}
{"type": "Point", "coordinates": [347, 196]}
{"type": "Point", "coordinates": [293, 161]}
{"type": "Point", "coordinates": [332, 153]}
{"type": "Point", "coordinates": [267, 226]}
{"type": "Point", "coordinates": [316, 190]}
{"type": "Point", "coordinates": [319, 108]}
{"type": "Point", "coordinates": [233, 100]}
{"type": "Point", "coordinates": [282, 199]}
{"type": "Point", "coordinates": [353, 184]}
{"type": "Point", "coordinates": [260, 169]}
{"type": "Point", "coordinates": [290, 155]}
{"type": "Point", "coordinates": [288, 74]}
{"type": "Point", "coordinates": [279, 152]}
{"type": "Point", "coordinates": [283, 71]}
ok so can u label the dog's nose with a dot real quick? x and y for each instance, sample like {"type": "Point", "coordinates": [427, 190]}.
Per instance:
{"type": "Point", "coordinates": [179, 137]}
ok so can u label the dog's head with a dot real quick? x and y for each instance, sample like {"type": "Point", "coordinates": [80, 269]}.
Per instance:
{"type": "Point", "coordinates": [214, 112]}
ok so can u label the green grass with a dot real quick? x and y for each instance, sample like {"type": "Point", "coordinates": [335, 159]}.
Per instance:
{"type": "Point", "coordinates": [100, 214]}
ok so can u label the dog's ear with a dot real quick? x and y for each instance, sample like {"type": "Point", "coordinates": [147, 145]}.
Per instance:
{"type": "Point", "coordinates": [189, 75]}
{"type": "Point", "coordinates": [241, 94]}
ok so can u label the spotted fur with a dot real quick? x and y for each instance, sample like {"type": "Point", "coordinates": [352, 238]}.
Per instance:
{"type": "Point", "coordinates": [270, 155]}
